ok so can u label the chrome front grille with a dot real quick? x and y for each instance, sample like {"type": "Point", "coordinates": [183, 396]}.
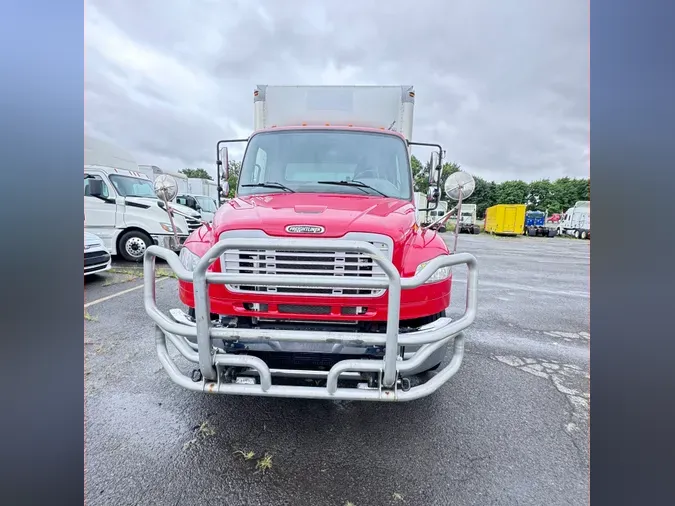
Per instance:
{"type": "Point", "coordinates": [295, 263]}
{"type": "Point", "coordinates": [192, 224]}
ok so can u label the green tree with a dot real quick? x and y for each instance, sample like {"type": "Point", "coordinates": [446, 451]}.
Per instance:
{"type": "Point", "coordinates": [512, 192]}
{"type": "Point", "coordinates": [198, 173]}
{"type": "Point", "coordinates": [483, 196]}
{"type": "Point", "coordinates": [234, 170]}
{"type": "Point", "coordinates": [540, 195]}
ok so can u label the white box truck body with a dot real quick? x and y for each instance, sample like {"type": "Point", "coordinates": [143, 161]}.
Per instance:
{"type": "Point", "coordinates": [385, 107]}
{"type": "Point", "coordinates": [202, 187]}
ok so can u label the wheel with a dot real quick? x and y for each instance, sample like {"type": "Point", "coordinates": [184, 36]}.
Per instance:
{"type": "Point", "coordinates": [559, 231]}
{"type": "Point", "coordinates": [552, 232]}
{"type": "Point", "coordinates": [133, 245]}
{"type": "Point", "coordinates": [576, 234]}
{"type": "Point", "coordinates": [584, 234]}
{"type": "Point", "coordinates": [532, 232]}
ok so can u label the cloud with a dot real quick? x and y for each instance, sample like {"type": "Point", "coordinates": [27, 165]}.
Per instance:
{"type": "Point", "coordinates": [503, 86]}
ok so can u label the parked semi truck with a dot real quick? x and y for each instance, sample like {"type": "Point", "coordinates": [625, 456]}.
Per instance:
{"type": "Point", "coordinates": [315, 281]}
{"type": "Point", "coordinates": [505, 219]}
{"type": "Point", "coordinates": [535, 225]}
{"type": "Point", "coordinates": [121, 206]}
{"type": "Point", "coordinates": [437, 214]}
{"type": "Point", "coordinates": [467, 222]}
{"type": "Point", "coordinates": [577, 221]}
{"type": "Point", "coordinates": [420, 201]}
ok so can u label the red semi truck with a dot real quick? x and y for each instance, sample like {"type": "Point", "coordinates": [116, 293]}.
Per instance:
{"type": "Point", "coordinates": [316, 281]}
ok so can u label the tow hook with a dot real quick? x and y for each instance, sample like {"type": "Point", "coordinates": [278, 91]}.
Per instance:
{"type": "Point", "coordinates": [196, 375]}
{"type": "Point", "coordinates": [405, 384]}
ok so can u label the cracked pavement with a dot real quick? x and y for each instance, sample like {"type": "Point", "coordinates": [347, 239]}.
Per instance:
{"type": "Point", "coordinates": [511, 427]}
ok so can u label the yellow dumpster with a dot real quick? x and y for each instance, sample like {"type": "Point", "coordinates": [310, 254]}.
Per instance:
{"type": "Point", "coordinates": [505, 219]}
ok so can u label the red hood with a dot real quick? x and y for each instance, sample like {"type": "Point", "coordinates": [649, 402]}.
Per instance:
{"type": "Point", "coordinates": [338, 214]}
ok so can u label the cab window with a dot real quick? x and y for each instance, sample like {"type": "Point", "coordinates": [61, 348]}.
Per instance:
{"type": "Point", "coordinates": [89, 177]}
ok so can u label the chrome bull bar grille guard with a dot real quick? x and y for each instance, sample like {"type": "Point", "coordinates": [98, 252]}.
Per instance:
{"type": "Point", "coordinates": [429, 338]}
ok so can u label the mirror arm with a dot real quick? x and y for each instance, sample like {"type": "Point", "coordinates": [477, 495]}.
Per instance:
{"type": "Point", "coordinates": [442, 219]}
{"type": "Point", "coordinates": [185, 215]}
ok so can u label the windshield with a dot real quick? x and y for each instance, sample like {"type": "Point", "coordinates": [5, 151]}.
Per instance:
{"type": "Point", "coordinates": [298, 160]}
{"type": "Point", "coordinates": [128, 186]}
{"type": "Point", "coordinates": [207, 204]}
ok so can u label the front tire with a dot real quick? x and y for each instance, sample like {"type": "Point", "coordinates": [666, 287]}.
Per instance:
{"type": "Point", "coordinates": [583, 234]}
{"type": "Point", "coordinates": [133, 244]}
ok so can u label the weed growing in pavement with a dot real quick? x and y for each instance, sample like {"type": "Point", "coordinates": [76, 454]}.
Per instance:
{"type": "Point", "coordinates": [264, 464]}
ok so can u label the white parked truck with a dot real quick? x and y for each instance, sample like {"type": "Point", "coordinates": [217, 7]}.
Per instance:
{"type": "Point", "coordinates": [467, 221]}
{"type": "Point", "coordinates": [420, 208]}
{"type": "Point", "coordinates": [121, 207]}
{"type": "Point", "coordinates": [437, 213]}
{"type": "Point", "coordinates": [577, 221]}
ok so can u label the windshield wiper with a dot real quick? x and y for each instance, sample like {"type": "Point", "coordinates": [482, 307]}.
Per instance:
{"type": "Point", "coordinates": [270, 184]}
{"type": "Point", "coordinates": [356, 184]}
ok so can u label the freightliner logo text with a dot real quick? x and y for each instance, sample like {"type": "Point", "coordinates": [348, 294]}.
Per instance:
{"type": "Point", "coordinates": [305, 229]}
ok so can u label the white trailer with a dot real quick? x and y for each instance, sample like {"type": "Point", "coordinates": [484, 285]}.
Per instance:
{"type": "Point", "coordinates": [202, 187]}
{"type": "Point", "coordinates": [577, 221]}
{"type": "Point", "coordinates": [181, 179]}
{"type": "Point", "coordinates": [152, 171]}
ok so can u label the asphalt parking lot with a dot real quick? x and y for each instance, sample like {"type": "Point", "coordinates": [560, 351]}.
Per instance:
{"type": "Point", "coordinates": [511, 427]}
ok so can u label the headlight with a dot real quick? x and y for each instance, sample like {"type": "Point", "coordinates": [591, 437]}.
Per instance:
{"type": "Point", "coordinates": [440, 275]}
{"type": "Point", "coordinates": [188, 259]}
{"type": "Point", "coordinates": [169, 228]}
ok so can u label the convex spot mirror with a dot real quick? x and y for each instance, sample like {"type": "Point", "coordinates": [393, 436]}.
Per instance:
{"type": "Point", "coordinates": [459, 182]}
{"type": "Point", "coordinates": [166, 187]}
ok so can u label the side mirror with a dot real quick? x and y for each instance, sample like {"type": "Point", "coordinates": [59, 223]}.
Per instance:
{"type": "Point", "coordinates": [224, 189]}
{"type": "Point", "coordinates": [433, 194]}
{"type": "Point", "coordinates": [434, 168]}
{"type": "Point", "coordinates": [96, 187]}
{"type": "Point", "coordinates": [225, 162]}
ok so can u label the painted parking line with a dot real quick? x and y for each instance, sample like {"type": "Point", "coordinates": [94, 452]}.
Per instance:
{"type": "Point", "coordinates": [506, 286]}
{"type": "Point", "coordinates": [103, 299]}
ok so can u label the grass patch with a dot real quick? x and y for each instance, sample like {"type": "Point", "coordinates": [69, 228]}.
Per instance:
{"type": "Point", "coordinates": [88, 317]}
{"type": "Point", "coordinates": [202, 431]}
{"type": "Point", "coordinates": [247, 455]}
{"type": "Point", "coordinates": [136, 273]}
{"type": "Point", "coordinates": [264, 464]}
{"type": "Point", "coordinates": [128, 278]}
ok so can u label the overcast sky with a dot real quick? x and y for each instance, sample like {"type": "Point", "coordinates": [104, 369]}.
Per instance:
{"type": "Point", "coordinates": [502, 85]}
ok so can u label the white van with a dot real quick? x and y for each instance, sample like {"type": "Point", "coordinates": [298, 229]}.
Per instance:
{"type": "Point", "coordinates": [121, 207]}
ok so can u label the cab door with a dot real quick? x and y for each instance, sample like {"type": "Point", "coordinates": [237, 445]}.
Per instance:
{"type": "Point", "coordinates": [100, 212]}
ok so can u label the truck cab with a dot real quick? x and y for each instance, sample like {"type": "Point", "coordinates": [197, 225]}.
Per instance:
{"type": "Point", "coordinates": [121, 206]}
{"type": "Point", "coordinates": [316, 280]}
{"type": "Point", "coordinates": [467, 220]}
{"type": "Point", "coordinates": [577, 221]}
{"type": "Point", "coordinates": [205, 205]}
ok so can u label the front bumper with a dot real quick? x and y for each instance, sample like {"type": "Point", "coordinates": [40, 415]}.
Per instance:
{"type": "Point", "coordinates": [169, 242]}
{"type": "Point", "coordinates": [96, 261]}
{"type": "Point", "coordinates": [239, 374]}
